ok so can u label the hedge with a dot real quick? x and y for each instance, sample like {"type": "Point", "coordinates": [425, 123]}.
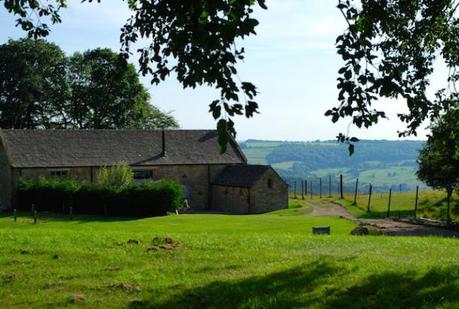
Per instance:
{"type": "Point", "coordinates": [137, 199]}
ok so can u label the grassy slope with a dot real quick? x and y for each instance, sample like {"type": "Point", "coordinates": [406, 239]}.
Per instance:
{"type": "Point", "coordinates": [431, 204]}
{"type": "Point", "coordinates": [223, 261]}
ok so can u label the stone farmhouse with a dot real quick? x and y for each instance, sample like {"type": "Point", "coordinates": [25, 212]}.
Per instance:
{"type": "Point", "coordinates": [212, 181]}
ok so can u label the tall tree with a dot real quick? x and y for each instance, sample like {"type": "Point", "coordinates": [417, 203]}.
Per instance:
{"type": "Point", "coordinates": [33, 85]}
{"type": "Point", "coordinates": [201, 36]}
{"type": "Point", "coordinates": [439, 159]}
{"type": "Point", "coordinates": [41, 88]}
{"type": "Point", "coordinates": [107, 93]}
{"type": "Point", "coordinates": [389, 50]}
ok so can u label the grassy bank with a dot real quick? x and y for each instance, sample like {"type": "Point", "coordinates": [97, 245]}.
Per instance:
{"type": "Point", "coordinates": [431, 204]}
{"type": "Point", "coordinates": [223, 261]}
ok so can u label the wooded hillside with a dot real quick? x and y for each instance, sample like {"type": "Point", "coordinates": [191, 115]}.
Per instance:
{"type": "Point", "coordinates": [381, 162]}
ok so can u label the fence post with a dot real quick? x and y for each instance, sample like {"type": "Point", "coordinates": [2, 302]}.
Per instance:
{"type": "Point", "coordinates": [329, 186]}
{"type": "Point", "coordinates": [341, 186]}
{"type": "Point", "coordinates": [34, 217]}
{"type": "Point", "coordinates": [15, 214]}
{"type": "Point", "coordinates": [302, 189]}
{"type": "Point", "coordinates": [369, 197]}
{"type": "Point", "coordinates": [320, 186]}
{"type": "Point", "coordinates": [416, 202]}
{"type": "Point", "coordinates": [355, 191]}
{"type": "Point", "coordinates": [310, 188]}
{"type": "Point", "coordinates": [388, 204]}
{"type": "Point", "coordinates": [294, 186]}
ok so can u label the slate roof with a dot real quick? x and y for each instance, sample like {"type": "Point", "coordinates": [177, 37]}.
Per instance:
{"type": "Point", "coordinates": [79, 148]}
{"type": "Point", "coordinates": [245, 176]}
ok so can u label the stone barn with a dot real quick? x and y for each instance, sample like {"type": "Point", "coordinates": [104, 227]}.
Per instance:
{"type": "Point", "coordinates": [249, 189]}
{"type": "Point", "coordinates": [190, 157]}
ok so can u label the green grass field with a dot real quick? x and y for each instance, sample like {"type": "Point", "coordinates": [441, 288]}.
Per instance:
{"type": "Point", "coordinates": [220, 261]}
{"type": "Point", "coordinates": [431, 204]}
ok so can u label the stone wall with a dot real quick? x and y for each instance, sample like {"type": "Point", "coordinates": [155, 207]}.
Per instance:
{"type": "Point", "coordinates": [197, 179]}
{"type": "Point", "coordinates": [194, 177]}
{"type": "Point", "coordinates": [230, 199]}
{"type": "Point", "coordinates": [268, 194]}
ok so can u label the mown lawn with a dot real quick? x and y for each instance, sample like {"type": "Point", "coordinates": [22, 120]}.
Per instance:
{"type": "Point", "coordinates": [431, 204]}
{"type": "Point", "coordinates": [220, 261]}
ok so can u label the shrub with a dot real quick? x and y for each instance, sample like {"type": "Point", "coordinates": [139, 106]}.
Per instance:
{"type": "Point", "coordinates": [54, 192]}
{"type": "Point", "coordinates": [143, 199]}
{"type": "Point", "coordinates": [118, 176]}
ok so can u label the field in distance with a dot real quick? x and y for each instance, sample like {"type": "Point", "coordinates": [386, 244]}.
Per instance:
{"type": "Point", "coordinates": [383, 163]}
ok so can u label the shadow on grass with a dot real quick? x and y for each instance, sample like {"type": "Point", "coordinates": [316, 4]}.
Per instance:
{"type": "Point", "coordinates": [318, 285]}
{"type": "Point", "coordinates": [281, 289]}
{"type": "Point", "coordinates": [436, 288]}
{"type": "Point", "coordinates": [59, 217]}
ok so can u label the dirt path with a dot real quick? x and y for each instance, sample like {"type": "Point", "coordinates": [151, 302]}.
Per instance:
{"type": "Point", "coordinates": [325, 208]}
{"type": "Point", "coordinates": [385, 226]}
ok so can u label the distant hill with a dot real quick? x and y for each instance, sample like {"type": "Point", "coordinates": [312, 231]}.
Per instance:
{"type": "Point", "coordinates": [380, 162]}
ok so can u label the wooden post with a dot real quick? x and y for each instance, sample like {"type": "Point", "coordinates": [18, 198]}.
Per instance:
{"type": "Point", "coordinates": [341, 196]}
{"type": "Point", "coordinates": [294, 186]}
{"type": "Point", "coordinates": [355, 191]}
{"type": "Point", "coordinates": [302, 189]}
{"type": "Point", "coordinates": [15, 214]}
{"type": "Point", "coordinates": [71, 212]}
{"type": "Point", "coordinates": [329, 186]}
{"type": "Point", "coordinates": [310, 188]}
{"type": "Point", "coordinates": [34, 217]}
{"type": "Point", "coordinates": [306, 187]}
{"type": "Point", "coordinates": [416, 202]}
{"type": "Point", "coordinates": [369, 197]}
{"type": "Point", "coordinates": [388, 204]}
{"type": "Point", "coordinates": [320, 187]}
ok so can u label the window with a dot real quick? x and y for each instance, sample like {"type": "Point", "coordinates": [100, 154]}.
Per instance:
{"type": "Point", "coordinates": [270, 183]}
{"type": "Point", "coordinates": [143, 174]}
{"type": "Point", "coordinates": [59, 173]}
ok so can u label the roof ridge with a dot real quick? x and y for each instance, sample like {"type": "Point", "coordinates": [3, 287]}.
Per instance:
{"type": "Point", "coordinates": [104, 130]}
{"type": "Point", "coordinates": [139, 147]}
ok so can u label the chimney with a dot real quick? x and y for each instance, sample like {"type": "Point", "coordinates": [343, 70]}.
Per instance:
{"type": "Point", "coordinates": [163, 134]}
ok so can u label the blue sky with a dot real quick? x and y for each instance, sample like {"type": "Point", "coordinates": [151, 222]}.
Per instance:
{"type": "Point", "coordinates": [292, 61]}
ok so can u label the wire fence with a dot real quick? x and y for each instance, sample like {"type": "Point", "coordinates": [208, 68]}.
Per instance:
{"type": "Point", "coordinates": [333, 183]}
{"type": "Point", "coordinates": [393, 200]}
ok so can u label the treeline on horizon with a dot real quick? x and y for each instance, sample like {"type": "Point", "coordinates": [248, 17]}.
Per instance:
{"type": "Point", "coordinates": [295, 161]}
